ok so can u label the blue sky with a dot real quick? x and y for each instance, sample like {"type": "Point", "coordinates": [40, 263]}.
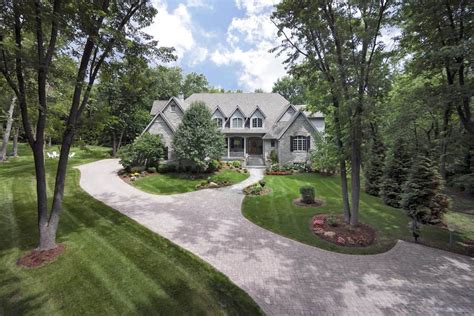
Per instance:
{"type": "Point", "coordinates": [227, 40]}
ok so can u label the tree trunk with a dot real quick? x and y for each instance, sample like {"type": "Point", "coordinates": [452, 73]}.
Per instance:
{"type": "Point", "coordinates": [444, 140]}
{"type": "Point", "coordinates": [355, 166]}
{"type": "Point", "coordinates": [119, 145]}
{"type": "Point", "coordinates": [6, 135]}
{"type": "Point", "coordinates": [114, 144]}
{"type": "Point", "coordinates": [342, 165]}
{"type": "Point", "coordinates": [15, 141]}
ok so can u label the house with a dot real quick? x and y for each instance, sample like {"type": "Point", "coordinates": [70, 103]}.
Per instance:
{"type": "Point", "coordinates": [254, 124]}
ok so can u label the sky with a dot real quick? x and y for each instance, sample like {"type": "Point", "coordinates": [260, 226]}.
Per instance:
{"type": "Point", "coordinates": [226, 40]}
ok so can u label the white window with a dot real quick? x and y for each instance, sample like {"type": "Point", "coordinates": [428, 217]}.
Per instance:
{"type": "Point", "coordinates": [257, 122]}
{"type": "Point", "coordinates": [237, 122]}
{"type": "Point", "coordinates": [300, 143]}
{"type": "Point", "coordinates": [218, 121]}
{"type": "Point", "coordinates": [173, 107]}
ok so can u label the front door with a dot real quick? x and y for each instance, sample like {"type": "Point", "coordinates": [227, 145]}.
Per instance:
{"type": "Point", "coordinates": [254, 146]}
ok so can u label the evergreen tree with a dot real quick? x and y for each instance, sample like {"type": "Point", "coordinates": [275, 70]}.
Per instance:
{"type": "Point", "coordinates": [422, 197]}
{"type": "Point", "coordinates": [374, 166]}
{"type": "Point", "coordinates": [197, 139]}
{"type": "Point", "coordinates": [395, 174]}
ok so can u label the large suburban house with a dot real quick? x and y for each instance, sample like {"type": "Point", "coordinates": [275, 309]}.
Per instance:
{"type": "Point", "coordinates": [254, 124]}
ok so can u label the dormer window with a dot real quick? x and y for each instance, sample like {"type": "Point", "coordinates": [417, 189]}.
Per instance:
{"type": "Point", "coordinates": [219, 121]}
{"type": "Point", "coordinates": [257, 122]}
{"type": "Point", "coordinates": [173, 107]}
{"type": "Point", "coordinates": [237, 122]}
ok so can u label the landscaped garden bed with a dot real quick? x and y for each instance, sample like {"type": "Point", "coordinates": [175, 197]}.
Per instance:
{"type": "Point", "coordinates": [277, 212]}
{"type": "Point", "coordinates": [259, 188]}
{"type": "Point", "coordinates": [333, 229]}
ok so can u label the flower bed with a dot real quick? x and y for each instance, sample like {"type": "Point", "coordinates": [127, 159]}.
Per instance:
{"type": "Point", "coordinates": [212, 184]}
{"type": "Point", "coordinates": [256, 189]}
{"type": "Point", "coordinates": [333, 229]}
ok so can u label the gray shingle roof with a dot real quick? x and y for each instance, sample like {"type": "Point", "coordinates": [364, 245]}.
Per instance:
{"type": "Point", "coordinates": [158, 105]}
{"type": "Point", "coordinates": [269, 103]}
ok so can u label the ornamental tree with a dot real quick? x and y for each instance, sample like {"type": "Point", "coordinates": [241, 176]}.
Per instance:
{"type": "Point", "coordinates": [197, 139]}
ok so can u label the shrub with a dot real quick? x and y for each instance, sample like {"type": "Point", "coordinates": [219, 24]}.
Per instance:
{"type": "Point", "coordinates": [464, 182]}
{"type": "Point", "coordinates": [262, 183]}
{"type": "Point", "coordinates": [214, 165]}
{"type": "Point", "coordinates": [168, 167]}
{"type": "Point", "coordinates": [146, 151]}
{"type": "Point", "coordinates": [307, 194]}
{"type": "Point", "coordinates": [273, 156]}
{"type": "Point", "coordinates": [151, 170]}
{"type": "Point", "coordinates": [331, 220]}
{"type": "Point", "coordinates": [373, 170]}
{"type": "Point", "coordinates": [134, 170]}
{"type": "Point", "coordinates": [324, 156]}
{"type": "Point", "coordinates": [254, 189]}
{"type": "Point", "coordinates": [236, 164]}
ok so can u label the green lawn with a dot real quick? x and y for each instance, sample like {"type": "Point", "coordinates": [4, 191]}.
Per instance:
{"type": "Point", "coordinates": [112, 265]}
{"type": "Point", "coordinates": [171, 183]}
{"type": "Point", "coordinates": [277, 213]}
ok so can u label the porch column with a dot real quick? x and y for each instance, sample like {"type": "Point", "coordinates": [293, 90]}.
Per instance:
{"type": "Point", "coordinates": [245, 145]}
{"type": "Point", "coordinates": [228, 147]}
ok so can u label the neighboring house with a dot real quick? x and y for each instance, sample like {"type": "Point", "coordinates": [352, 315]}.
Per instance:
{"type": "Point", "coordinates": [254, 124]}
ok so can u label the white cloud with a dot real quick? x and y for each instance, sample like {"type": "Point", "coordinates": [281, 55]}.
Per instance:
{"type": "Point", "coordinates": [173, 28]}
{"type": "Point", "coordinates": [199, 4]}
{"type": "Point", "coordinates": [258, 67]}
{"type": "Point", "coordinates": [255, 6]}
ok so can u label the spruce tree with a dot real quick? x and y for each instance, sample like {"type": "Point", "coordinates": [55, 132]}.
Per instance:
{"type": "Point", "coordinates": [422, 197]}
{"type": "Point", "coordinates": [374, 166]}
{"type": "Point", "coordinates": [198, 139]}
{"type": "Point", "coordinates": [395, 174]}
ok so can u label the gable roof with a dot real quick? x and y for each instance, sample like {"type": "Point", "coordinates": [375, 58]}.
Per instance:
{"type": "Point", "coordinates": [292, 120]}
{"type": "Point", "coordinates": [284, 111]}
{"type": "Point", "coordinates": [257, 108]}
{"type": "Point", "coordinates": [158, 106]}
{"type": "Point", "coordinates": [159, 114]}
{"type": "Point", "coordinates": [270, 104]}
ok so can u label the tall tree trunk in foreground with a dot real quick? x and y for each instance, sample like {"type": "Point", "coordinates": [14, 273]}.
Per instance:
{"type": "Point", "coordinates": [15, 141]}
{"type": "Point", "coordinates": [6, 135]}
{"type": "Point", "coordinates": [342, 163]}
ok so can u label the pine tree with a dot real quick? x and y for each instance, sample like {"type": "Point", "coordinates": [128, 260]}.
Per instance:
{"type": "Point", "coordinates": [374, 166]}
{"type": "Point", "coordinates": [422, 197]}
{"type": "Point", "coordinates": [395, 174]}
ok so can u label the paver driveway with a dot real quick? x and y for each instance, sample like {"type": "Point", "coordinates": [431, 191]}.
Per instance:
{"type": "Point", "coordinates": [285, 276]}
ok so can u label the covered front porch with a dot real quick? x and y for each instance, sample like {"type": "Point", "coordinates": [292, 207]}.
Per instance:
{"type": "Point", "coordinates": [248, 147]}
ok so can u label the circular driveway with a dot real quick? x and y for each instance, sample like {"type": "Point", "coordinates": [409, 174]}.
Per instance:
{"type": "Point", "coordinates": [283, 276]}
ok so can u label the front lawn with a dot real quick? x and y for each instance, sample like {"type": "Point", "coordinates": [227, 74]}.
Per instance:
{"type": "Point", "coordinates": [277, 213]}
{"type": "Point", "coordinates": [111, 266]}
{"type": "Point", "coordinates": [171, 183]}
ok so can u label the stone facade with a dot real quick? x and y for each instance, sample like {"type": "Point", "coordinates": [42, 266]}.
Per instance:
{"type": "Point", "coordinates": [300, 127]}
{"type": "Point", "coordinates": [160, 127]}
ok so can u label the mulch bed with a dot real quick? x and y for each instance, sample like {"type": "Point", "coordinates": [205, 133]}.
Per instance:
{"type": "Point", "coordinates": [341, 233]}
{"type": "Point", "coordinates": [316, 203]}
{"type": "Point", "coordinates": [36, 258]}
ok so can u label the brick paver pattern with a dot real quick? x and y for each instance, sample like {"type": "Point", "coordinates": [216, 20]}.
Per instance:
{"type": "Point", "coordinates": [283, 276]}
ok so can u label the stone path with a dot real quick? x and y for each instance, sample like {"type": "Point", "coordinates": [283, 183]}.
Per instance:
{"type": "Point", "coordinates": [283, 276]}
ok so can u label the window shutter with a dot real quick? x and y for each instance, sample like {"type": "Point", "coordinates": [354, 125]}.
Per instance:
{"type": "Point", "coordinates": [291, 143]}
{"type": "Point", "coordinates": [308, 142]}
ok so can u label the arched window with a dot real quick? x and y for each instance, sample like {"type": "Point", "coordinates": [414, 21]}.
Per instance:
{"type": "Point", "coordinates": [237, 122]}
{"type": "Point", "coordinates": [218, 121]}
{"type": "Point", "coordinates": [257, 122]}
